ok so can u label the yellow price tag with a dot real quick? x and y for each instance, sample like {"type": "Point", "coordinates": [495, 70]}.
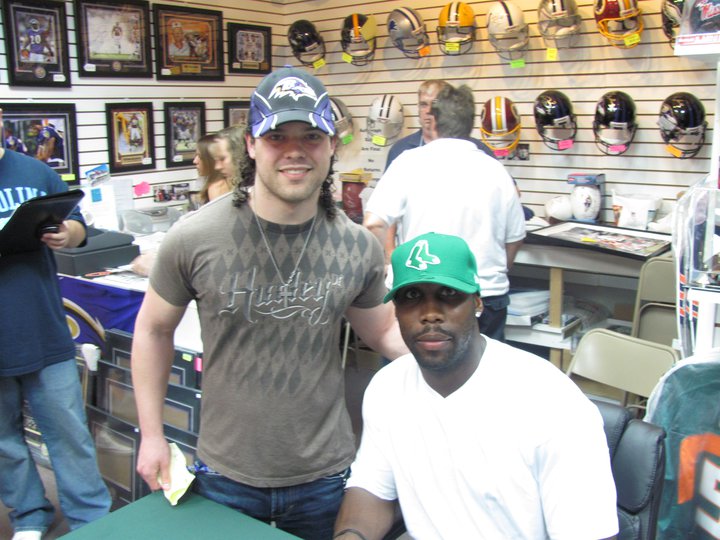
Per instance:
{"type": "Point", "coordinates": [551, 54]}
{"type": "Point", "coordinates": [317, 64]}
{"type": "Point", "coordinates": [68, 177]}
{"type": "Point", "coordinates": [452, 46]}
{"type": "Point", "coordinates": [674, 151]}
{"type": "Point", "coordinates": [378, 140]}
{"type": "Point", "coordinates": [347, 58]}
{"type": "Point", "coordinates": [631, 40]}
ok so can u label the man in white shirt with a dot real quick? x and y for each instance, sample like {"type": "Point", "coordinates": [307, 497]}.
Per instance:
{"type": "Point", "coordinates": [474, 438]}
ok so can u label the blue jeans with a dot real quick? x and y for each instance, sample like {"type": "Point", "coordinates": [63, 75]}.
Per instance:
{"type": "Point", "coordinates": [492, 320]}
{"type": "Point", "coordinates": [305, 510]}
{"type": "Point", "coordinates": [55, 399]}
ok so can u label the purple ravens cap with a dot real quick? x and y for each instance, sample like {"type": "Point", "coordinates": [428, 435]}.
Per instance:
{"type": "Point", "coordinates": [290, 95]}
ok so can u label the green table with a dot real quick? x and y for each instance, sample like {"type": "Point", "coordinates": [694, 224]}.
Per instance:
{"type": "Point", "coordinates": [194, 517]}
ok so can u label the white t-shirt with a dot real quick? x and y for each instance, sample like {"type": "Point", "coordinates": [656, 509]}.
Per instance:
{"type": "Point", "coordinates": [518, 452]}
{"type": "Point", "coordinates": [449, 186]}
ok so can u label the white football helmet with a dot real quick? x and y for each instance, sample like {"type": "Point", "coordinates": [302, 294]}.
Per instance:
{"type": "Point", "coordinates": [507, 30]}
{"type": "Point", "coordinates": [385, 119]}
{"type": "Point", "coordinates": [343, 120]}
{"type": "Point", "coordinates": [559, 22]}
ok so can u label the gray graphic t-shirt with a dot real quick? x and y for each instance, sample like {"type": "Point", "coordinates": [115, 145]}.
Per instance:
{"type": "Point", "coordinates": [273, 409]}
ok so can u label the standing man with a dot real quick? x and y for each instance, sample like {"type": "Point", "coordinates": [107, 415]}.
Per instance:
{"type": "Point", "coordinates": [442, 436]}
{"type": "Point", "coordinates": [452, 187]}
{"type": "Point", "coordinates": [37, 364]}
{"type": "Point", "coordinates": [274, 270]}
{"type": "Point", "coordinates": [427, 93]}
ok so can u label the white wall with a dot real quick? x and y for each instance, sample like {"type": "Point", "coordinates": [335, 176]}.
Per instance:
{"type": "Point", "coordinates": [649, 73]}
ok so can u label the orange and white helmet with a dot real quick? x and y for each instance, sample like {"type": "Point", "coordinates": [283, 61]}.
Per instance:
{"type": "Point", "coordinates": [456, 28]}
{"type": "Point", "coordinates": [500, 125]}
{"type": "Point", "coordinates": [620, 21]}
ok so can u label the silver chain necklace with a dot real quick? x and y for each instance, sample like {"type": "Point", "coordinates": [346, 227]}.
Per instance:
{"type": "Point", "coordinates": [272, 257]}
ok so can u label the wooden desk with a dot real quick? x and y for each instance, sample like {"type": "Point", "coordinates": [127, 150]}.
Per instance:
{"type": "Point", "coordinates": [193, 518]}
{"type": "Point", "coordinates": [558, 259]}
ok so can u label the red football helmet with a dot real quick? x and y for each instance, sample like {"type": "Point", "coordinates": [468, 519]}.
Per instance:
{"type": "Point", "coordinates": [500, 125]}
{"type": "Point", "coordinates": [618, 21]}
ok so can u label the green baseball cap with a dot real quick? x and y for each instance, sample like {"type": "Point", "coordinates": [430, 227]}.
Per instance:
{"type": "Point", "coordinates": [434, 258]}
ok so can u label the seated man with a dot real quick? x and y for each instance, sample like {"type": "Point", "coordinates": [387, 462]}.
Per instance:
{"type": "Point", "coordinates": [474, 438]}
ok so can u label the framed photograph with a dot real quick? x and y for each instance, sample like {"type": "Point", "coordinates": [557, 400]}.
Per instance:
{"type": "Point", "coordinates": [36, 43]}
{"type": "Point", "coordinates": [235, 113]}
{"type": "Point", "coordinates": [184, 125]}
{"type": "Point", "coordinates": [131, 136]}
{"type": "Point", "coordinates": [113, 38]}
{"type": "Point", "coordinates": [47, 132]}
{"type": "Point", "coordinates": [188, 44]}
{"type": "Point", "coordinates": [250, 48]}
{"type": "Point", "coordinates": [633, 243]}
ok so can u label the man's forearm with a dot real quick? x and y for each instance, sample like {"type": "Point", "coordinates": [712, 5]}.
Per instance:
{"type": "Point", "coordinates": [152, 354]}
{"type": "Point", "coordinates": [363, 516]}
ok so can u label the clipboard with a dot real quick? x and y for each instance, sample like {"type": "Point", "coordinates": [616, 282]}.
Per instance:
{"type": "Point", "coordinates": [22, 231]}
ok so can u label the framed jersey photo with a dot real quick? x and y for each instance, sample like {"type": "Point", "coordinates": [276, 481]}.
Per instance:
{"type": "Point", "coordinates": [184, 125]}
{"type": "Point", "coordinates": [188, 43]}
{"type": "Point", "coordinates": [131, 136]}
{"type": "Point", "coordinates": [113, 38]}
{"type": "Point", "coordinates": [36, 43]}
{"type": "Point", "coordinates": [47, 132]}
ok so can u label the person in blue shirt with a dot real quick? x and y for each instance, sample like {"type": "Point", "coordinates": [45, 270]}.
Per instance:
{"type": "Point", "coordinates": [37, 365]}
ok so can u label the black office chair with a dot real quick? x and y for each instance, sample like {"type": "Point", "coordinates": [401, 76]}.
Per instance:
{"type": "Point", "coordinates": [637, 454]}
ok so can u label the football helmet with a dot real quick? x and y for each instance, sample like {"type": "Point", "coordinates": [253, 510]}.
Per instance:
{"type": "Point", "coordinates": [682, 124]}
{"type": "Point", "coordinates": [385, 119]}
{"type": "Point", "coordinates": [342, 119]}
{"type": "Point", "coordinates": [671, 12]}
{"type": "Point", "coordinates": [306, 42]}
{"type": "Point", "coordinates": [618, 21]}
{"type": "Point", "coordinates": [555, 120]}
{"type": "Point", "coordinates": [34, 24]}
{"type": "Point", "coordinates": [705, 17]}
{"type": "Point", "coordinates": [357, 38]}
{"type": "Point", "coordinates": [559, 22]}
{"type": "Point", "coordinates": [407, 32]}
{"type": "Point", "coordinates": [500, 125]}
{"type": "Point", "coordinates": [507, 30]}
{"type": "Point", "coordinates": [614, 125]}
{"type": "Point", "coordinates": [456, 28]}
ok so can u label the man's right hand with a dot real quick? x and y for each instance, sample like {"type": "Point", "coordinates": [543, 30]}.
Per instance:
{"type": "Point", "coordinates": [153, 462]}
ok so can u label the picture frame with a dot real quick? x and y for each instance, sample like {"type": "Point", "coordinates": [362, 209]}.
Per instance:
{"type": "Point", "coordinates": [36, 43]}
{"type": "Point", "coordinates": [117, 444]}
{"type": "Point", "coordinates": [235, 113]}
{"type": "Point", "coordinates": [184, 125]}
{"type": "Point", "coordinates": [113, 38]}
{"type": "Point", "coordinates": [188, 44]}
{"type": "Point", "coordinates": [45, 131]}
{"type": "Point", "coordinates": [250, 48]}
{"type": "Point", "coordinates": [131, 136]}
{"type": "Point", "coordinates": [632, 243]}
